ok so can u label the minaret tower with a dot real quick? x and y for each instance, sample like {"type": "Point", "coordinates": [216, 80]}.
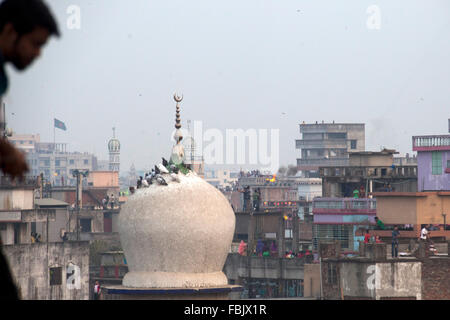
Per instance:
{"type": "Point", "coordinates": [114, 152]}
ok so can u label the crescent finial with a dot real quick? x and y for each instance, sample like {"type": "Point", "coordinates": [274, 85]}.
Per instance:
{"type": "Point", "coordinates": [177, 98]}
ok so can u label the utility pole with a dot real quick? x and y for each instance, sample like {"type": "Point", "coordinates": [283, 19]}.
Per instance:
{"type": "Point", "coordinates": [79, 189]}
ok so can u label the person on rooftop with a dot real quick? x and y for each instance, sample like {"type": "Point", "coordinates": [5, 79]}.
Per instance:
{"type": "Point", "coordinates": [395, 234]}
{"type": "Point", "coordinates": [380, 224]}
{"type": "Point", "coordinates": [367, 236]}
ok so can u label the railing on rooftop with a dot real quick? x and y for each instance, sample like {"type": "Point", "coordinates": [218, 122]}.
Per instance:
{"type": "Point", "coordinates": [431, 142]}
{"type": "Point", "coordinates": [344, 203]}
{"type": "Point", "coordinates": [323, 162]}
{"type": "Point", "coordinates": [266, 181]}
{"type": "Point", "coordinates": [321, 143]}
{"type": "Point", "coordinates": [370, 172]}
{"type": "Point", "coordinates": [28, 181]}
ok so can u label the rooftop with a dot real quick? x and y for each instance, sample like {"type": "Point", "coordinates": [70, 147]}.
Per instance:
{"type": "Point", "coordinates": [49, 202]}
{"type": "Point", "coordinates": [431, 142]}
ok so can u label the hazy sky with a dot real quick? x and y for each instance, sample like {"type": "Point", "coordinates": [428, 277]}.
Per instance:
{"type": "Point", "coordinates": [239, 64]}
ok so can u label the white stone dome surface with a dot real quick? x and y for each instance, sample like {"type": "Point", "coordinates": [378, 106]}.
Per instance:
{"type": "Point", "coordinates": [176, 236]}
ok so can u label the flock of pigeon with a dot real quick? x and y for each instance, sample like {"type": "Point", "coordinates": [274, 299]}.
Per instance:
{"type": "Point", "coordinates": [159, 174]}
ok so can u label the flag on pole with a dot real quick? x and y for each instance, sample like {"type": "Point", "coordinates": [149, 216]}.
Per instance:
{"type": "Point", "coordinates": [60, 125]}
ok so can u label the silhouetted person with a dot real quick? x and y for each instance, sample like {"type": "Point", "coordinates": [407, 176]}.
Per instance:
{"type": "Point", "coordinates": [395, 234]}
{"type": "Point", "coordinates": [25, 26]}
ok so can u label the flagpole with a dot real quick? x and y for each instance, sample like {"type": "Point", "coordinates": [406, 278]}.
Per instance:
{"type": "Point", "coordinates": [54, 151]}
{"type": "Point", "coordinates": [54, 135]}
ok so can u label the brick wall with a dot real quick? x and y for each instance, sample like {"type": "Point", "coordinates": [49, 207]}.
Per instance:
{"type": "Point", "coordinates": [329, 249]}
{"type": "Point", "coordinates": [435, 278]}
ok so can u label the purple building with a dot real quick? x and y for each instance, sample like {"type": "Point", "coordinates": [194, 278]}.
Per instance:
{"type": "Point", "coordinates": [433, 162]}
{"type": "Point", "coordinates": [343, 219]}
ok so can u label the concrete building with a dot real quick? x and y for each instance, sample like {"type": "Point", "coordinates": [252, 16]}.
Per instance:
{"type": "Point", "coordinates": [433, 161]}
{"type": "Point", "coordinates": [50, 271]}
{"type": "Point", "coordinates": [406, 160]}
{"type": "Point", "coordinates": [57, 165]}
{"type": "Point", "coordinates": [342, 220]}
{"type": "Point", "coordinates": [101, 179]}
{"type": "Point", "coordinates": [221, 178]}
{"type": "Point", "coordinates": [17, 210]}
{"type": "Point", "coordinates": [414, 209]}
{"type": "Point", "coordinates": [45, 269]}
{"type": "Point", "coordinates": [372, 276]}
{"type": "Point", "coordinates": [429, 206]}
{"type": "Point", "coordinates": [25, 142]}
{"type": "Point", "coordinates": [328, 144]}
{"type": "Point", "coordinates": [267, 277]}
{"type": "Point", "coordinates": [277, 221]}
{"type": "Point", "coordinates": [292, 195]}
{"type": "Point", "coordinates": [54, 229]}
{"type": "Point", "coordinates": [368, 172]}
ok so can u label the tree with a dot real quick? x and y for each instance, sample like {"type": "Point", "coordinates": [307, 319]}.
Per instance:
{"type": "Point", "coordinates": [282, 171]}
{"type": "Point", "coordinates": [291, 170]}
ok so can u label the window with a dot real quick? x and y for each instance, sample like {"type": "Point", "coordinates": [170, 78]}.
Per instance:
{"type": "Point", "coordinates": [56, 276]}
{"type": "Point", "coordinates": [71, 161]}
{"type": "Point", "coordinates": [352, 144]}
{"type": "Point", "coordinates": [57, 163]}
{"type": "Point", "coordinates": [86, 161]}
{"type": "Point", "coordinates": [436, 162]}
{"type": "Point", "coordinates": [337, 135]}
{"type": "Point", "coordinates": [332, 274]}
{"type": "Point", "coordinates": [85, 225]}
{"type": "Point", "coordinates": [448, 163]}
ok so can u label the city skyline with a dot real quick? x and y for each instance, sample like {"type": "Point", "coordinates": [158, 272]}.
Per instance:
{"type": "Point", "coordinates": [239, 65]}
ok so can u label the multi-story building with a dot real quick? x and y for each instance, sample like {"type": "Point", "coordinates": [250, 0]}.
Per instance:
{"type": "Point", "coordinates": [25, 142]}
{"type": "Point", "coordinates": [49, 269]}
{"type": "Point", "coordinates": [328, 144]}
{"type": "Point", "coordinates": [348, 206]}
{"type": "Point", "coordinates": [431, 204]}
{"type": "Point", "coordinates": [221, 178]}
{"type": "Point", "coordinates": [57, 166]}
{"type": "Point", "coordinates": [433, 160]}
{"type": "Point", "coordinates": [56, 163]}
{"type": "Point", "coordinates": [368, 172]}
{"type": "Point", "coordinates": [342, 220]}
{"type": "Point", "coordinates": [52, 159]}
{"type": "Point", "coordinates": [373, 275]}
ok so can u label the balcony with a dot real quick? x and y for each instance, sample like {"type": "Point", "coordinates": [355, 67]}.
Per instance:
{"type": "Point", "coordinates": [330, 162]}
{"type": "Point", "coordinates": [27, 182]}
{"type": "Point", "coordinates": [24, 216]}
{"type": "Point", "coordinates": [267, 181]}
{"type": "Point", "coordinates": [345, 203]}
{"type": "Point", "coordinates": [370, 172]}
{"type": "Point", "coordinates": [331, 127]}
{"type": "Point", "coordinates": [321, 144]}
{"type": "Point", "coordinates": [431, 143]}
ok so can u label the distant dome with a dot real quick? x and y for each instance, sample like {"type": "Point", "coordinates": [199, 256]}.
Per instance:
{"type": "Point", "coordinates": [189, 143]}
{"type": "Point", "coordinates": [114, 145]}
